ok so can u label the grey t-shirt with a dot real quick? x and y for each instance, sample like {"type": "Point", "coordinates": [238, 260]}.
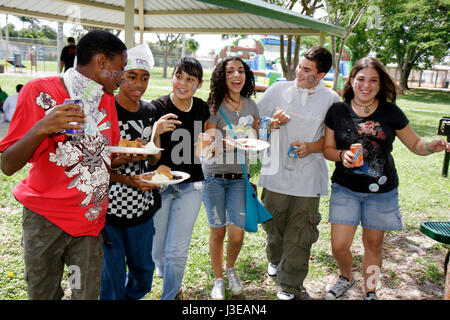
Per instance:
{"type": "Point", "coordinates": [228, 161]}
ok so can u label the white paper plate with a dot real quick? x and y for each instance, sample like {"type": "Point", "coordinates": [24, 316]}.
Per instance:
{"type": "Point", "coordinates": [181, 174]}
{"type": "Point", "coordinates": [249, 144]}
{"type": "Point", "coordinates": [130, 150]}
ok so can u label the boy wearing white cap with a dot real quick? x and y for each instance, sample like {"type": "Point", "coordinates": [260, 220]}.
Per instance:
{"type": "Point", "coordinates": [132, 203]}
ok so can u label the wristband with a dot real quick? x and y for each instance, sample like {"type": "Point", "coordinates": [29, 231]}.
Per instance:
{"type": "Point", "coordinates": [428, 152]}
{"type": "Point", "coordinates": [116, 169]}
{"type": "Point", "coordinates": [340, 155]}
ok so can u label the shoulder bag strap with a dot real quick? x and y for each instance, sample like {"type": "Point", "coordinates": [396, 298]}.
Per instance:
{"type": "Point", "coordinates": [234, 137]}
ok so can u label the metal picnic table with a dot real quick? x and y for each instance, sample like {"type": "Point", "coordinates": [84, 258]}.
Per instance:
{"type": "Point", "coordinates": [440, 231]}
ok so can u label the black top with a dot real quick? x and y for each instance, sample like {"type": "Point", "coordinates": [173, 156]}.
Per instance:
{"type": "Point", "coordinates": [68, 54]}
{"type": "Point", "coordinates": [179, 145]}
{"type": "Point", "coordinates": [129, 206]}
{"type": "Point", "coordinates": [376, 133]}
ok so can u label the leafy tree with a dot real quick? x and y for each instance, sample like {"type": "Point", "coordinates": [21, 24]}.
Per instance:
{"type": "Point", "coordinates": [167, 43]}
{"type": "Point", "coordinates": [31, 21]}
{"type": "Point", "coordinates": [33, 31]}
{"type": "Point", "coordinates": [358, 41]}
{"type": "Point", "coordinates": [191, 46]}
{"type": "Point", "coordinates": [287, 61]}
{"type": "Point", "coordinates": [346, 14]}
{"type": "Point", "coordinates": [48, 32]}
{"type": "Point", "coordinates": [413, 34]}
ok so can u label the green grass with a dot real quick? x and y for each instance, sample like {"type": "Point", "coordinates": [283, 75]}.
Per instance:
{"type": "Point", "coordinates": [424, 195]}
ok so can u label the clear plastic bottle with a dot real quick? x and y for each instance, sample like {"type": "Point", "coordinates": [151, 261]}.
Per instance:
{"type": "Point", "coordinates": [291, 159]}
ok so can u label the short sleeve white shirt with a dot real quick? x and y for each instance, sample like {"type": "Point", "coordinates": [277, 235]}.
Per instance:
{"type": "Point", "coordinates": [310, 176]}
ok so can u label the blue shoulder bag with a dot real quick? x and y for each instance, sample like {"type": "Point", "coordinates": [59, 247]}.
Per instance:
{"type": "Point", "coordinates": [255, 212]}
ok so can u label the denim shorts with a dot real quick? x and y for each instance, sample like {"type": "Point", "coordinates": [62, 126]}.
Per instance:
{"type": "Point", "coordinates": [378, 211]}
{"type": "Point", "coordinates": [224, 201]}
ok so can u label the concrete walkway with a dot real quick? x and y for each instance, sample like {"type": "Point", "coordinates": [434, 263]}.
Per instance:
{"type": "Point", "coordinates": [3, 128]}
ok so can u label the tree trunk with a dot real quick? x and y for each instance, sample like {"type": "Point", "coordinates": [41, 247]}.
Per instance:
{"type": "Point", "coordinates": [166, 54]}
{"type": "Point", "coordinates": [334, 60]}
{"type": "Point", "coordinates": [287, 64]}
{"type": "Point", "coordinates": [284, 67]}
{"type": "Point", "coordinates": [405, 70]}
{"type": "Point", "coordinates": [337, 71]}
{"type": "Point", "coordinates": [167, 46]}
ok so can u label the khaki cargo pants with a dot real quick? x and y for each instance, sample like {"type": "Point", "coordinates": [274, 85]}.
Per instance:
{"type": "Point", "coordinates": [290, 235]}
{"type": "Point", "coordinates": [47, 249]}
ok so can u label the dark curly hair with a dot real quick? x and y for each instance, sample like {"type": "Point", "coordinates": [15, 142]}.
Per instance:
{"type": "Point", "coordinates": [219, 89]}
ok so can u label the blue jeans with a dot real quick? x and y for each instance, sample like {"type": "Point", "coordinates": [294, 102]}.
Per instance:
{"type": "Point", "coordinates": [174, 223]}
{"type": "Point", "coordinates": [224, 201]}
{"type": "Point", "coordinates": [378, 211]}
{"type": "Point", "coordinates": [132, 247]}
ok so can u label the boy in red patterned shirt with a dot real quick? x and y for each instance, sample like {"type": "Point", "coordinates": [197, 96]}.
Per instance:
{"type": "Point", "coordinates": [65, 194]}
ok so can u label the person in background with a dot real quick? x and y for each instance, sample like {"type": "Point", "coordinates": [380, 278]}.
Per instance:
{"type": "Point", "coordinates": [232, 85]}
{"type": "Point", "coordinates": [68, 55]}
{"type": "Point", "coordinates": [180, 203]}
{"type": "Point", "coordinates": [65, 194]}
{"type": "Point", "coordinates": [9, 107]}
{"type": "Point", "coordinates": [3, 96]}
{"type": "Point", "coordinates": [293, 183]}
{"type": "Point", "coordinates": [366, 193]}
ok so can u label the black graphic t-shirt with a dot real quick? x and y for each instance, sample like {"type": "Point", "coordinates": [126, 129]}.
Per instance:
{"type": "Point", "coordinates": [129, 206]}
{"type": "Point", "coordinates": [68, 54]}
{"type": "Point", "coordinates": [179, 145]}
{"type": "Point", "coordinates": [376, 133]}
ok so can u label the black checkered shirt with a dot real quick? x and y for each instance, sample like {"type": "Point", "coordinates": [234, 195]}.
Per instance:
{"type": "Point", "coordinates": [129, 206]}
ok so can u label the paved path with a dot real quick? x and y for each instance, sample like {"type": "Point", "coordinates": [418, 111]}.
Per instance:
{"type": "Point", "coordinates": [3, 129]}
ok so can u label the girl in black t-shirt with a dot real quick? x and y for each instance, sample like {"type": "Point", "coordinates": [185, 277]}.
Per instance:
{"type": "Point", "coordinates": [180, 203]}
{"type": "Point", "coordinates": [366, 194]}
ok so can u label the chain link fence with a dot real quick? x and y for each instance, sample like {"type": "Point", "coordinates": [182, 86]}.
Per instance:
{"type": "Point", "coordinates": [45, 50]}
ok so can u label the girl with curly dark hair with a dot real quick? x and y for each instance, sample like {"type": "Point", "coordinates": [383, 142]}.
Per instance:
{"type": "Point", "coordinates": [232, 85]}
{"type": "Point", "coordinates": [219, 89]}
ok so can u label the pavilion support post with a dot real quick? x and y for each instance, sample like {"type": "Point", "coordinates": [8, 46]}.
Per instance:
{"type": "Point", "coordinates": [322, 39]}
{"type": "Point", "coordinates": [141, 21]}
{"type": "Point", "coordinates": [59, 43]}
{"type": "Point", "coordinates": [129, 23]}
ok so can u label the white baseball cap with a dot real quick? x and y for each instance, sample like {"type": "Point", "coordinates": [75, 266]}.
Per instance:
{"type": "Point", "coordinates": [140, 57]}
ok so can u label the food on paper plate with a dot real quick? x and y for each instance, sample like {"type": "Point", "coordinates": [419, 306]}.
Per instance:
{"type": "Point", "coordinates": [147, 176]}
{"type": "Point", "coordinates": [165, 171]}
{"type": "Point", "coordinates": [131, 143]}
{"type": "Point", "coordinates": [161, 174]}
{"type": "Point", "coordinates": [245, 144]}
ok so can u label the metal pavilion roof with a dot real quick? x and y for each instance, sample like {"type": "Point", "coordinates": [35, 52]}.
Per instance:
{"type": "Point", "coordinates": [176, 16]}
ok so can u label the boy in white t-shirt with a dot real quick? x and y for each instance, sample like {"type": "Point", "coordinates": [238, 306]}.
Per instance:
{"type": "Point", "coordinates": [292, 184]}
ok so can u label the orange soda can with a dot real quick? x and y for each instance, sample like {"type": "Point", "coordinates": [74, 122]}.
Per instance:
{"type": "Point", "coordinates": [357, 150]}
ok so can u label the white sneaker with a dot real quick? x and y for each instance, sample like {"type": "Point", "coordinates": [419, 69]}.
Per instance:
{"type": "Point", "coordinates": [234, 283]}
{"type": "Point", "coordinates": [272, 270]}
{"type": "Point", "coordinates": [283, 295]}
{"type": "Point", "coordinates": [340, 287]}
{"type": "Point", "coordinates": [218, 291]}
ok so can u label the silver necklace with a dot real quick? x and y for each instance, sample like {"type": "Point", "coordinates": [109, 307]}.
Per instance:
{"type": "Point", "coordinates": [366, 108]}
{"type": "Point", "coordinates": [235, 107]}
